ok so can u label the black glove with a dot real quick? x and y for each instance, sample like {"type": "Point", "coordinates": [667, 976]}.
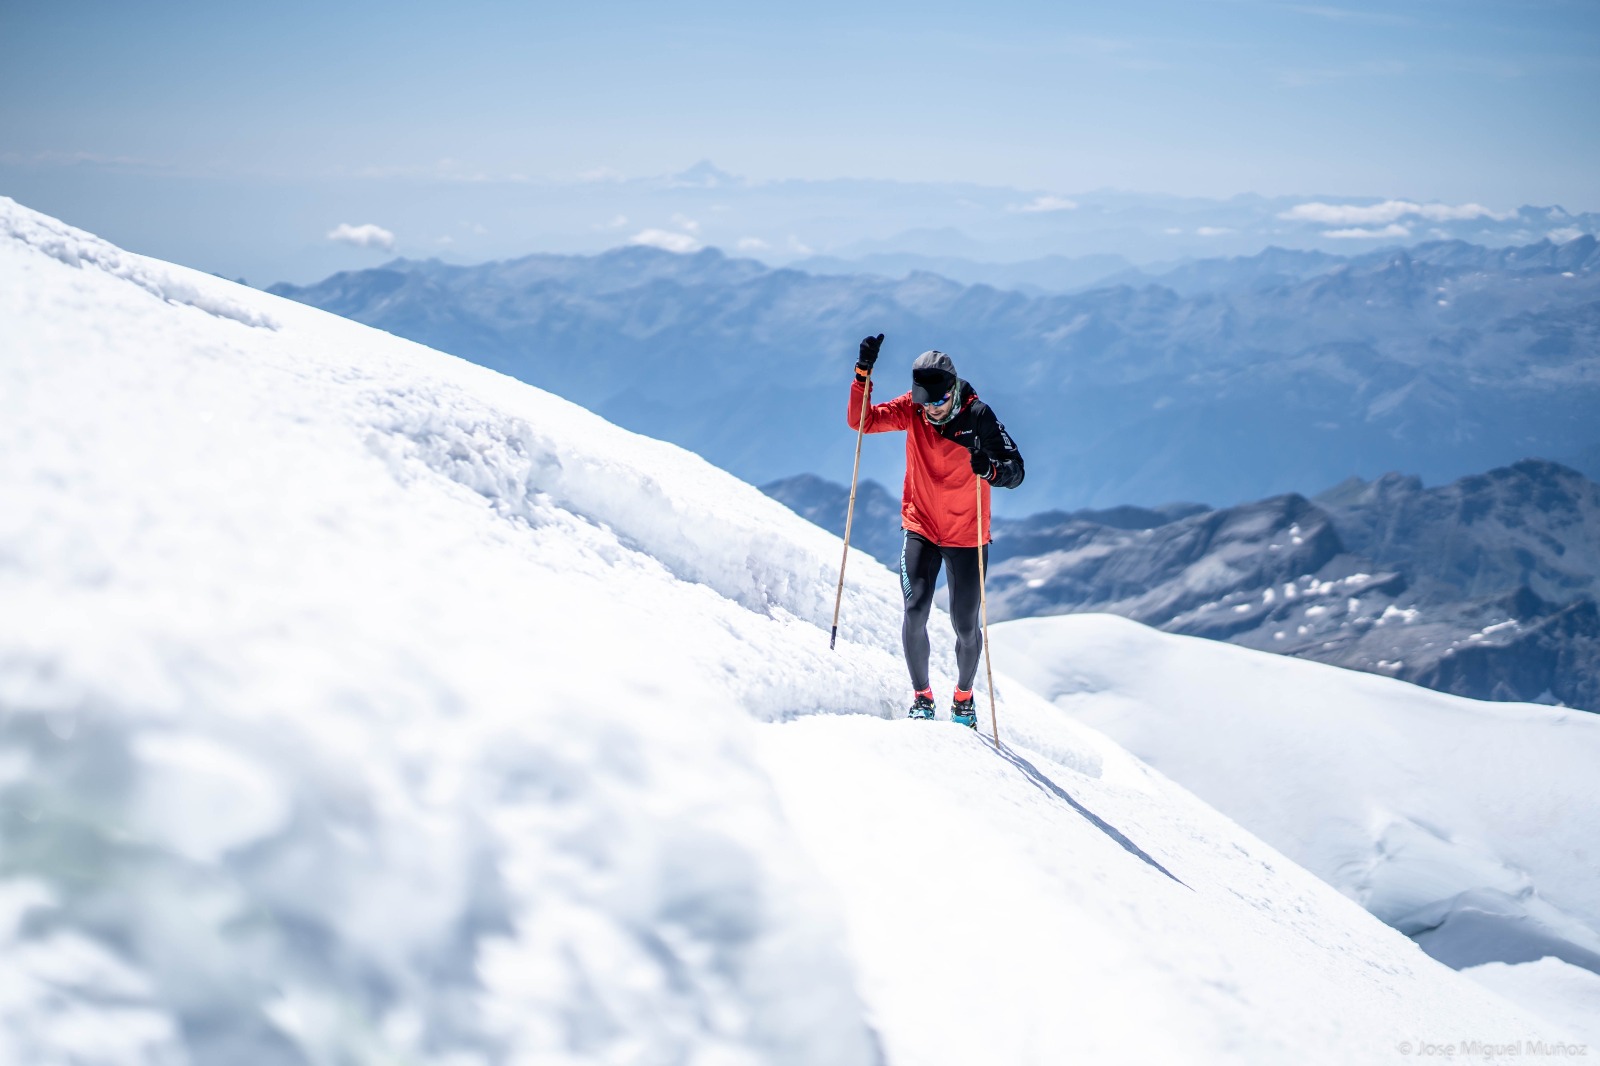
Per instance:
{"type": "Point", "coordinates": [982, 465]}
{"type": "Point", "coordinates": [869, 353]}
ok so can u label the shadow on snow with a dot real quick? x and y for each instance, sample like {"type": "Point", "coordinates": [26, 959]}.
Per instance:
{"type": "Point", "coordinates": [1046, 785]}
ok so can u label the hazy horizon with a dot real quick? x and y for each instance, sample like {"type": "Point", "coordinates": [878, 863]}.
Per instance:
{"type": "Point", "coordinates": [281, 143]}
{"type": "Point", "coordinates": [299, 233]}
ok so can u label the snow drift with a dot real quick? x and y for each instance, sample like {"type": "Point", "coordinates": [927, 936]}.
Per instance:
{"type": "Point", "coordinates": [358, 704]}
{"type": "Point", "coordinates": [1467, 825]}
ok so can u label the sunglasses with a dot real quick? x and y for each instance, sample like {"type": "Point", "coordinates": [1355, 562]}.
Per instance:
{"type": "Point", "coordinates": [941, 401]}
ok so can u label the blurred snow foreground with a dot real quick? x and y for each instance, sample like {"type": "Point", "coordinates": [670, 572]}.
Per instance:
{"type": "Point", "coordinates": [360, 705]}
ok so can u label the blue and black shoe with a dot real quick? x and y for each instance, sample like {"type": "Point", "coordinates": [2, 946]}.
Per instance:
{"type": "Point", "coordinates": [921, 707]}
{"type": "Point", "coordinates": [964, 712]}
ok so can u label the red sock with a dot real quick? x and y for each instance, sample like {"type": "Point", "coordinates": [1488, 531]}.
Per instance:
{"type": "Point", "coordinates": [963, 696]}
{"type": "Point", "coordinates": [928, 692]}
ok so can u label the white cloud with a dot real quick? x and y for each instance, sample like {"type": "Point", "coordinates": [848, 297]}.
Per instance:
{"type": "Point", "coordinates": [1344, 14]}
{"type": "Point", "coordinates": [1387, 212]}
{"type": "Point", "coordinates": [449, 170]}
{"type": "Point", "coordinates": [1044, 203]}
{"type": "Point", "coordinates": [684, 222]}
{"type": "Point", "coordinates": [1395, 230]}
{"type": "Point", "coordinates": [617, 222]}
{"type": "Point", "coordinates": [1213, 231]}
{"type": "Point", "coordinates": [1304, 77]}
{"type": "Point", "coordinates": [54, 158]}
{"type": "Point", "coordinates": [1565, 234]}
{"type": "Point", "coordinates": [1172, 231]}
{"type": "Point", "coordinates": [798, 246]}
{"type": "Point", "coordinates": [363, 236]}
{"type": "Point", "coordinates": [1446, 213]}
{"type": "Point", "coordinates": [752, 244]}
{"type": "Point", "coordinates": [665, 239]}
{"type": "Point", "coordinates": [600, 174]}
{"type": "Point", "coordinates": [455, 170]}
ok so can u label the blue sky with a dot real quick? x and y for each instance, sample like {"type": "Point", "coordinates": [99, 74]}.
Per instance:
{"type": "Point", "coordinates": [1454, 100]}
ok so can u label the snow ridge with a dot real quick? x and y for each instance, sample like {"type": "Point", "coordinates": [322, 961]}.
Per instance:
{"type": "Point", "coordinates": [76, 248]}
{"type": "Point", "coordinates": [529, 472]}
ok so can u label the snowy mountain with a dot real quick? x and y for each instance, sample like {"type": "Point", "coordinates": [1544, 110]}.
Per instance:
{"type": "Point", "coordinates": [1300, 370]}
{"type": "Point", "coordinates": [365, 705]}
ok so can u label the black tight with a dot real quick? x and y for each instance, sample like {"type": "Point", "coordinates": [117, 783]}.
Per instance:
{"type": "Point", "coordinates": [920, 559]}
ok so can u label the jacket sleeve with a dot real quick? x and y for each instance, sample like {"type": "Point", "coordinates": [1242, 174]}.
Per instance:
{"type": "Point", "coordinates": [881, 417]}
{"type": "Point", "coordinates": [998, 446]}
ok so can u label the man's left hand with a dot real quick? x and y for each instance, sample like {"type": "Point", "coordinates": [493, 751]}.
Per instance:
{"type": "Point", "coordinates": [982, 465]}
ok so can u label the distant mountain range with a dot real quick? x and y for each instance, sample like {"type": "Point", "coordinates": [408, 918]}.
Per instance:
{"type": "Point", "coordinates": [993, 227]}
{"type": "Point", "coordinates": [1055, 273]}
{"type": "Point", "coordinates": [1484, 587]}
{"type": "Point", "coordinates": [1188, 277]}
{"type": "Point", "coordinates": [1230, 380]}
{"type": "Point", "coordinates": [1063, 274]}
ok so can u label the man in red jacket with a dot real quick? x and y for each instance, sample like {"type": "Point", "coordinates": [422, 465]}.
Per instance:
{"type": "Point", "coordinates": [952, 437]}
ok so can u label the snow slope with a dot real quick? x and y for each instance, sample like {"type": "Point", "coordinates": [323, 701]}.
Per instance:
{"type": "Point", "coordinates": [1566, 994]}
{"type": "Point", "coordinates": [1469, 825]}
{"type": "Point", "coordinates": [358, 704]}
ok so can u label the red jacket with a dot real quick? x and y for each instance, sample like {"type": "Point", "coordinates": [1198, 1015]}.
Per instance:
{"type": "Point", "coordinates": [940, 501]}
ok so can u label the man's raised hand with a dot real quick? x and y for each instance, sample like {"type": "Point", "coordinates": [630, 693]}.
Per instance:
{"type": "Point", "coordinates": [869, 353]}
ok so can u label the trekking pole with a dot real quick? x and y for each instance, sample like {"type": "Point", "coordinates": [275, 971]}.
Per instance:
{"type": "Point", "coordinates": [850, 511]}
{"type": "Point", "coordinates": [983, 607]}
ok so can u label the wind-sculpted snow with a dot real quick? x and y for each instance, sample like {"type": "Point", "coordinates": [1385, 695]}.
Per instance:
{"type": "Point", "coordinates": [165, 282]}
{"type": "Point", "coordinates": [1466, 825]}
{"type": "Point", "coordinates": [532, 471]}
{"type": "Point", "coordinates": [358, 704]}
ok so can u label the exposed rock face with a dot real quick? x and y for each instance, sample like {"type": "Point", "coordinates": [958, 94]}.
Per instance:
{"type": "Point", "coordinates": [1552, 654]}
{"type": "Point", "coordinates": [1533, 523]}
{"type": "Point", "coordinates": [1485, 587]}
{"type": "Point", "coordinates": [1161, 573]}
